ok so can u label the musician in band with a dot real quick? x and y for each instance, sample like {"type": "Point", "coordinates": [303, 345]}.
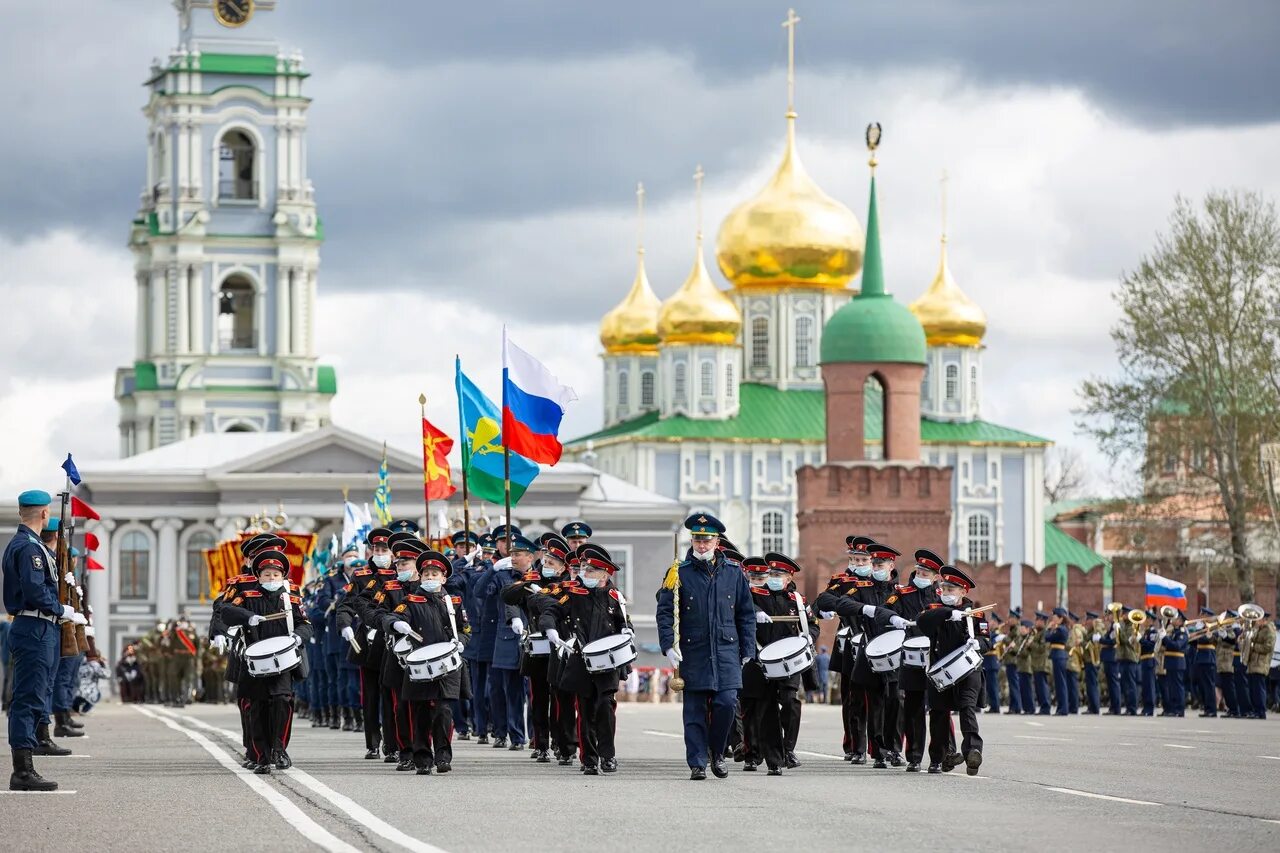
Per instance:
{"type": "Point", "coordinates": [270, 697]}
{"type": "Point", "coordinates": [365, 583]}
{"type": "Point", "coordinates": [949, 627]}
{"type": "Point", "coordinates": [852, 714]}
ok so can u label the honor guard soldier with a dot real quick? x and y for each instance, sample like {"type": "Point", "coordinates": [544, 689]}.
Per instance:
{"type": "Point", "coordinates": [949, 626]}
{"type": "Point", "coordinates": [31, 600]}
{"type": "Point", "coordinates": [712, 601]}
{"type": "Point", "coordinates": [366, 582]}
{"type": "Point", "coordinates": [589, 610]}
{"type": "Point", "coordinates": [507, 700]}
{"type": "Point", "coordinates": [436, 617]}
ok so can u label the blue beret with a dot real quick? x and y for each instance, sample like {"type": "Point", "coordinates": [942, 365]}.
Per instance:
{"type": "Point", "coordinates": [576, 529]}
{"type": "Point", "coordinates": [51, 526]}
{"type": "Point", "coordinates": [34, 497]}
{"type": "Point", "coordinates": [703, 524]}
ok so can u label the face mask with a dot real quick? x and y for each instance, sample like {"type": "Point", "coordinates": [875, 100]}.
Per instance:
{"type": "Point", "coordinates": [431, 586]}
{"type": "Point", "coordinates": [775, 584]}
{"type": "Point", "coordinates": [271, 586]}
{"type": "Point", "coordinates": [382, 561]}
{"type": "Point", "coordinates": [880, 574]}
{"type": "Point", "coordinates": [705, 556]}
{"type": "Point", "coordinates": [921, 583]}
{"type": "Point", "coordinates": [862, 571]}
{"type": "Point", "coordinates": [950, 599]}
{"type": "Point", "coordinates": [405, 575]}
{"type": "Point", "coordinates": [548, 572]}
{"type": "Point", "coordinates": [590, 583]}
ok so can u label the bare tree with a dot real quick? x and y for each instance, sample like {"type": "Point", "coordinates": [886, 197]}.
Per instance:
{"type": "Point", "coordinates": [1065, 474]}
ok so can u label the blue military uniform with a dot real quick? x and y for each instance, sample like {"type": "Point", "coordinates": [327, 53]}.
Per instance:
{"type": "Point", "coordinates": [1204, 671]}
{"type": "Point", "coordinates": [31, 599]}
{"type": "Point", "coordinates": [1057, 640]}
{"type": "Point", "coordinates": [322, 686]}
{"type": "Point", "coordinates": [1175, 644]}
{"type": "Point", "coordinates": [717, 636]}
{"type": "Point", "coordinates": [339, 667]}
{"type": "Point", "coordinates": [1092, 697]}
{"type": "Point", "coordinates": [1110, 668]}
{"type": "Point", "coordinates": [457, 586]}
{"type": "Point", "coordinates": [507, 696]}
{"type": "Point", "coordinates": [1147, 658]}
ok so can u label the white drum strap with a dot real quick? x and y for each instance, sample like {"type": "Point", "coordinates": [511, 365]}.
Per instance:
{"type": "Point", "coordinates": [453, 623]}
{"type": "Point", "coordinates": [288, 608]}
{"type": "Point", "coordinates": [804, 619]}
{"type": "Point", "coordinates": [622, 605]}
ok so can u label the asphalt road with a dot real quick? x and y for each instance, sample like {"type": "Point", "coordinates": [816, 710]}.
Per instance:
{"type": "Point", "coordinates": [150, 778]}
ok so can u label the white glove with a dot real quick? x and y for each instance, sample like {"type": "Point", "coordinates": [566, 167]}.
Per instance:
{"type": "Point", "coordinates": [78, 618]}
{"type": "Point", "coordinates": [219, 643]}
{"type": "Point", "coordinates": [517, 625]}
{"type": "Point", "coordinates": [869, 611]}
{"type": "Point", "coordinates": [401, 627]}
{"type": "Point", "coordinates": [348, 633]}
{"type": "Point", "coordinates": [533, 587]}
{"type": "Point", "coordinates": [899, 623]}
{"type": "Point", "coordinates": [745, 660]}
{"type": "Point", "coordinates": [88, 631]}
{"type": "Point", "coordinates": [973, 644]}
{"type": "Point", "coordinates": [255, 619]}
{"type": "Point", "coordinates": [673, 655]}
{"type": "Point", "coordinates": [504, 563]}
{"type": "Point", "coordinates": [70, 579]}
{"type": "Point", "coordinates": [1097, 637]}
{"type": "Point", "coordinates": [553, 637]}
{"type": "Point", "coordinates": [630, 632]}
{"type": "Point", "coordinates": [957, 615]}
{"type": "Point", "coordinates": [827, 614]}
{"type": "Point", "coordinates": [763, 618]}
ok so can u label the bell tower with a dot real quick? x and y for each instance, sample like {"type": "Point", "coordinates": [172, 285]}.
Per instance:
{"type": "Point", "coordinates": [226, 241]}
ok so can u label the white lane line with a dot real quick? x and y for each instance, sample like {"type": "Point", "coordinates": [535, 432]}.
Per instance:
{"type": "Point", "coordinates": [1094, 796]}
{"type": "Point", "coordinates": [820, 754]}
{"type": "Point", "coordinates": [353, 809]}
{"type": "Point", "coordinates": [661, 734]}
{"type": "Point", "coordinates": [1272, 757]}
{"type": "Point", "coordinates": [285, 807]}
{"type": "Point", "coordinates": [1177, 746]}
{"type": "Point", "coordinates": [37, 793]}
{"type": "Point", "coordinates": [60, 757]}
{"type": "Point", "coordinates": [1124, 744]}
{"type": "Point", "coordinates": [1037, 725]}
{"type": "Point", "coordinates": [1041, 737]}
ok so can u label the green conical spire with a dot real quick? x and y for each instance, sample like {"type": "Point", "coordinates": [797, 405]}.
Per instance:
{"type": "Point", "coordinates": [872, 264]}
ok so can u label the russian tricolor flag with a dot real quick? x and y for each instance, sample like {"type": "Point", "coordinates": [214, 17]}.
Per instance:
{"type": "Point", "coordinates": [533, 402]}
{"type": "Point", "coordinates": [1162, 591]}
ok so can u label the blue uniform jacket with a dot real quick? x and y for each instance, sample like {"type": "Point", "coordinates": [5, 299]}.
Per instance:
{"type": "Point", "coordinates": [717, 623]}
{"type": "Point", "coordinates": [469, 578]}
{"type": "Point", "coordinates": [30, 579]}
{"type": "Point", "coordinates": [1175, 641]}
{"type": "Point", "coordinates": [1108, 650]}
{"type": "Point", "coordinates": [334, 587]}
{"type": "Point", "coordinates": [506, 642]}
{"type": "Point", "coordinates": [320, 601]}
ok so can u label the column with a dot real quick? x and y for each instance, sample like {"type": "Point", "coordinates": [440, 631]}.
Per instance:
{"type": "Point", "coordinates": [297, 322]}
{"type": "Point", "coordinates": [284, 284]}
{"type": "Point", "coordinates": [311, 307]}
{"type": "Point", "coordinates": [157, 311]}
{"type": "Point", "coordinates": [99, 593]}
{"type": "Point", "coordinates": [140, 321]}
{"type": "Point", "coordinates": [260, 314]}
{"type": "Point", "coordinates": [183, 311]}
{"type": "Point", "coordinates": [167, 567]}
{"type": "Point", "coordinates": [184, 159]}
{"type": "Point", "coordinates": [196, 166]}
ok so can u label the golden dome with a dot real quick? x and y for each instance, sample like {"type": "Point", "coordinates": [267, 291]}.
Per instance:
{"type": "Point", "coordinates": [632, 325]}
{"type": "Point", "coordinates": [949, 317]}
{"type": "Point", "coordinates": [699, 312]}
{"type": "Point", "coordinates": [791, 234]}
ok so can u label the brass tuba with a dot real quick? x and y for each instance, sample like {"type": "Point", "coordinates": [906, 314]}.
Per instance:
{"type": "Point", "coordinates": [1250, 614]}
{"type": "Point", "coordinates": [1136, 617]}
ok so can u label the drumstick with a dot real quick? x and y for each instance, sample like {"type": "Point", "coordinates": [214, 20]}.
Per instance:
{"type": "Point", "coordinates": [983, 609]}
{"type": "Point", "coordinates": [355, 645]}
{"type": "Point", "coordinates": [784, 619]}
{"type": "Point", "coordinates": [274, 616]}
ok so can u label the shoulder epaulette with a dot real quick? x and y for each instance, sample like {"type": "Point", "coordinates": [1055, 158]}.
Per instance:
{"type": "Point", "coordinates": [400, 608]}
{"type": "Point", "coordinates": [252, 593]}
{"type": "Point", "coordinates": [386, 571]}
{"type": "Point", "coordinates": [416, 599]}
{"type": "Point", "coordinates": [360, 573]}
{"type": "Point", "coordinates": [863, 584]}
{"type": "Point", "coordinates": [371, 584]}
{"type": "Point", "coordinates": [903, 590]}
{"type": "Point", "coordinates": [564, 598]}
{"type": "Point", "coordinates": [237, 600]}
{"type": "Point", "coordinates": [760, 590]}
{"type": "Point", "coordinates": [386, 585]}
{"type": "Point", "coordinates": [578, 590]}
{"type": "Point", "coordinates": [933, 606]}
{"type": "Point", "coordinates": [380, 597]}
{"type": "Point", "coordinates": [456, 599]}
{"type": "Point", "coordinates": [347, 588]}
{"type": "Point", "coordinates": [243, 578]}
{"type": "Point", "coordinates": [614, 594]}
{"type": "Point", "coordinates": [295, 599]}
{"type": "Point", "coordinates": [531, 576]}
{"type": "Point", "coordinates": [893, 599]}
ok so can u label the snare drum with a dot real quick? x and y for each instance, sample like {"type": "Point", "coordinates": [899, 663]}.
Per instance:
{"type": "Point", "coordinates": [429, 663]}
{"type": "Point", "coordinates": [954, 666]}
{"type": "Point", "coordinates": [537, 645]}
{"type": "Point", "coordinates": [273, 656]}
{"type": "Point", "coordinates": [609, 653]}
{"type": "Point", "coordinates": [915, 652]}
{"type": "Point", "coordinates": [402, 647]}
{"type": "Point", "coordinates": [786, 657]}
{"type": "Point", "coordinates": [884, 653]}
{"type": "Point", "coordinates": [859, 640]}
{"type": "Point", "coordinates": [843, 637]}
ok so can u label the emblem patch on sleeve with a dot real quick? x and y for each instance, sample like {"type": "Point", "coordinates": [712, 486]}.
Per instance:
{"type": "Point", "coordinates": [38, 562]}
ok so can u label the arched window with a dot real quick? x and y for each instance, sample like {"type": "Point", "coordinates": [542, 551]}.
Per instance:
{"type": "Point", "coordinates": [730, 387]}
{"type": "Point", "coordinates": [707, 379]}
{"type": "Point", "coordinates": [681, 388]}
{"type": "Point", "coordinates": [804, 342]}
{"type": "Point", "coordinates": [197, 573]}
{"type": "Point", "coordinates": [135, 565]}
{"type": "Point", "coordinates": [973, 383]}
{"type": "Point", "coordinates": [646, 389]}
{"type": "Point", "coordinates": [760, 342]}
{"type": "Point", "coordinates": [979, 538]}
{"type": "Point", "coordinates": [235, 167]}
{"type": "Point", "coordinates": [624, 389]}
{"type": "Point", "coordinates": [237, 325]}
{"type": "Point", "coordinates": [771, 531]}
{"type": "Point", "coordinates": [953, 381]}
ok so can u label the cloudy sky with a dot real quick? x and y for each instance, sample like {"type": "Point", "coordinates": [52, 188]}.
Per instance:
{"type": "Point", "coordinates": [475, 164]}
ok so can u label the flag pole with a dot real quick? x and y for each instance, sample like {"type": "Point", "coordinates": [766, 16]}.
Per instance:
{"type": "Point", "coordinates": [506, 451]}
{"type": "Point", "coordinates": [426, 491]}
{"type": "Point", "coordinates": [465, 456]}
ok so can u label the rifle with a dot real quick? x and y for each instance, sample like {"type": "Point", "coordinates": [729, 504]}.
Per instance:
{"type": "Point", "coordinates": [72, 637]}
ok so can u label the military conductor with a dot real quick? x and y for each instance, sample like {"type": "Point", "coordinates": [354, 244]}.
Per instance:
{"type": "Point", "coordinates": [709, 638]}
{"type": "Point", "coordinates": [31, 598]}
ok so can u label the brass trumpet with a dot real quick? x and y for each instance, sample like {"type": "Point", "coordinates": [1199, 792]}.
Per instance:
{"type": "Point", "coordinates": [1136, 617]}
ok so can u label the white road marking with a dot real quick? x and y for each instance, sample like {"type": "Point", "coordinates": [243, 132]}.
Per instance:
{"type": "Point", "coordinates": [39, 793]}
{"type": "Point", "coordinates": [662, 734]}
{"type": "Point", "coordinates": [1037, 725]}
{"type": "Point", "coordinates": [1094, 796]}
{"type": "Point", "coordinates": [353, 809]}
{"type": "Point", "coordinates": [60, 757]}
{"type": "Point", "coordinates": [1177, 746]}
{"type": "Point", "coordinates": [1272, 757]}
{"type": "Point", "coordinates": [285, 807]}
{"type": "Point", "coordinates": [1040, 737]}
{"type": "Point", "coordinates": [820, 754]}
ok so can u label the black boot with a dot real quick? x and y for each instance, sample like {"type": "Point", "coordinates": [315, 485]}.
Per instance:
{"type": "Point", "coordinates": [69, 720]}
{"type": "Point", "coordinates": [335, 719]}
{"type": "Point", "coordinates": [348, 724]}
{"type": "Point", "coordinates": [359, 715]}
{"type": "Point", "coordinates": [317, 717]}
{"type": "Point", "coordinates": [47, 746]}
{"type": "Point", "coordinates": [61, 727]}
{"type": "Point", "coordinates": [25, 777]}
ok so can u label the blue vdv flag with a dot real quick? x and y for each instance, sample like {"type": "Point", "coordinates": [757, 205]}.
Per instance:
{"type": "Point", "coordinates": [70, 467]}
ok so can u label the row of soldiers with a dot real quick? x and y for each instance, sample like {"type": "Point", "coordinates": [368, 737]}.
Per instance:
{"type": "Point", "coordinates": [172, 665]}
{"type": "Point", "coordinates": [1059, 663]}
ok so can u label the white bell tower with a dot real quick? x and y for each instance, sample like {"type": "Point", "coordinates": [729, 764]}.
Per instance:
{"type": "Point", "coordinates": [226, 241]}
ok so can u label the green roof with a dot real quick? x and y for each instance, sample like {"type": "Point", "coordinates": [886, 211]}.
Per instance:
{"type": "Point", "coordinates": [326, 379]}
{"type": "Point", "coordinates": [263, 65]}
{"type": "Point", "coordinates": [1061, 549]}
{"type": "Point", "coordinates": [144, 376]}
{"type": "Point", "coordinates": [768, 414]}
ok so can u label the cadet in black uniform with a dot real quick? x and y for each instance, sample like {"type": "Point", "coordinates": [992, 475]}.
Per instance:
{"type": "Point", "coordinates": [948, 628]}
{"type": "Point", "coordinates": [366, 582]}
{"type": "Point", "coordinates": [585, 612]}
{"type": "Point", "coordinates": [405, 548]}
{"type": "Point", "coordinates": [270, 698]}
{"type": "Point", "coordinates": [853, 715]}
{"type": "Point", "coordinates": [436, 617]}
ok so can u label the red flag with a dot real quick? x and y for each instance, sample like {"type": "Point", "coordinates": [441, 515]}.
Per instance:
{"type": "Point", "coordinates": [91, 542]}
{"type": "Point", "coordinates": [436, 483]}
{"type": "Point", "coordinates": [80, 509]}
{"type": "Point", "coordinates": [93, 565]}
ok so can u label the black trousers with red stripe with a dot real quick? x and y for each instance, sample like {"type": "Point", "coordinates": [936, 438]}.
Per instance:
{"type": "Point", "coordinates": [596, 725]}
{"type": "Point", "coordinates": [270, 724]}
{"type": "Point", "coordinates": [430, 731]}
{"type": "Point", "coordinates": [540, 703]}
{"type": "Point", "coordinates": [370, 702]}
{"type": "Point", "coordinates": [395, 723]}
{"type": "Point", "coordinates": [564, 722]}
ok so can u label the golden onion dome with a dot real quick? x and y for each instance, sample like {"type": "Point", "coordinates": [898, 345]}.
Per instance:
{"type": "Point", "coordinates": [948, 316]}
{"type": "Point", "coordinates": [791, 234]}
{"type": "Point", "coordinates": [699, 312]}
{"type": "Point", "coordinates": [632, 325]}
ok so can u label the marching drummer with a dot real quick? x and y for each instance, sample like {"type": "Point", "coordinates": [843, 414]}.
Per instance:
{"type": "Point", "coordinates": [952, 630]}
{"type": "Point", "coordinates": [771, 706]}
{"type": "Point", "coordinates": [269, 698]}
{"type": "Point", "coordinates": [436, 617]}
{"type": "Point", "coordinates": [589, 610]}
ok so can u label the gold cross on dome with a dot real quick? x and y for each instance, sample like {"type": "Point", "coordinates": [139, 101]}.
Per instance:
{"type": "Point", "coordinates": [790, 26]}
{"type": "Point", "coordinates": [698, 175]}
{"type": "Point", "coordinates": [943, 182]}
{"type": "Point", "coordinates": [640, 217]}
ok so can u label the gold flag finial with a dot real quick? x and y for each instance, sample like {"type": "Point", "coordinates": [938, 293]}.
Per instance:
{"type": "Point", "coordinates": [422, 399]}
{"type": "Point", "coordinates": [790, 26]}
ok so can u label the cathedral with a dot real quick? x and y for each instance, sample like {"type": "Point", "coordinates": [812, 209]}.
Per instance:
{"type": "Point", "coordinates": [715, 397]}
